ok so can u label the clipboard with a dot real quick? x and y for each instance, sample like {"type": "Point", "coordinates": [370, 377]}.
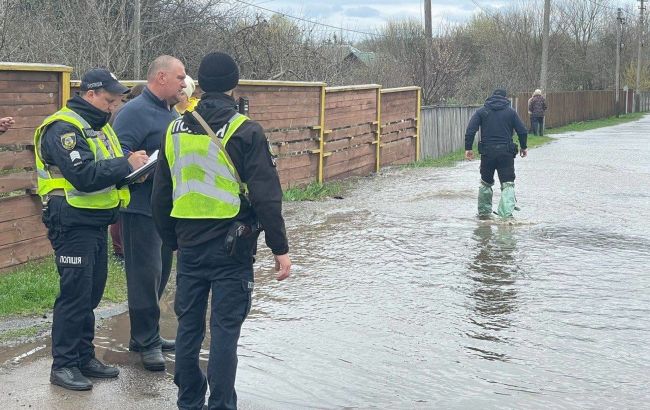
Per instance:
{"type": "Point", "coordinates": [138, 173]}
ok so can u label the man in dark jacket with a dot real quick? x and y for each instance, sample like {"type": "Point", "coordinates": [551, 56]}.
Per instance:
{"type": "Point", "coordinates": [211, 213]}
{"type": "Point", "coordinates": [537, 108]}
{"type": "Point", "coordinates": [141, 125]}
{"type": "Point", "coordinates": [497, 121]}
{"type": "Point", "coordinates": [79, 162]}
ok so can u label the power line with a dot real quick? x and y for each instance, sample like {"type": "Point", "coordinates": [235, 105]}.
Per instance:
{"type": "Point", "coordinates": [606, 6]}
{"type": "Point", "coordinates": [307, 20]}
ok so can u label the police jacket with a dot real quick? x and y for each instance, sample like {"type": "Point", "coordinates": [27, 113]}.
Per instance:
{"type": "Point", "coordinates": [497, 121]}
{"type": "Point", "coordinates": [76, 162]}
{"type": "Point", "coordinates": [249, 150]}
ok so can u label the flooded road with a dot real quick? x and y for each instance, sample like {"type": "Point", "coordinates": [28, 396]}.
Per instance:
{"type": "Point", "coordinates": [402, 299]}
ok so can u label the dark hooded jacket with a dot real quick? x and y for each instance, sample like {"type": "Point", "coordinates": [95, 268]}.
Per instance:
{"type": "Point", "coordinates": [250, 153]}
{"type": "Point", "coordinates": [497, 121]}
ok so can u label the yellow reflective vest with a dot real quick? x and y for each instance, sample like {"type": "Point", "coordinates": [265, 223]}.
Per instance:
{"type": "Point", "coordinates": [104, 145]}
{"type": "Point", "coordinates": [203, 178]}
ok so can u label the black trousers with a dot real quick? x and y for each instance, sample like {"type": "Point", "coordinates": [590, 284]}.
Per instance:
{"type": "Point", "coordinates": [537, 124]}
{"type": "Point", "coordinates": [82, 262]}
{"type": "Point", "coordinates": [148, 264]}
{"type": "Point", "coordinates": [501, 161]}
{"type": "Point", "coordinates": [201, 270]}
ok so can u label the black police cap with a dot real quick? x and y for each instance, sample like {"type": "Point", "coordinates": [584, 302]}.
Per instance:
{"type": "Point", "coordinates": [101, 78]}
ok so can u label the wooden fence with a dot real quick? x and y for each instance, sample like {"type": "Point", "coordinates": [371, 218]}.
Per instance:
{"type": "Point", "coordinates": [29, 92]}
{"type": "Point", "coordinates": [320, 134]}
{"type": "Point", "coordinates": [644, 101]}
{"type": "Point", "coordinates": [443, 129]}
{"type": "Point", "coordinates": [572, 106]}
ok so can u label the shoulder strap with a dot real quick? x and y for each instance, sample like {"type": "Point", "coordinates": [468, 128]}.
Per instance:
{"type": "Point", "coordinates": [215, 139]}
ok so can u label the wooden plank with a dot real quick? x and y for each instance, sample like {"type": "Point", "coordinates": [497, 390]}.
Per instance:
{"type": "Point", "coordinates": [300, 146]}
{"type": "Point", "coordinates": [19, 207]}
{"type": "Point", "coordinates": [397, 126]}
{"type": "Point", "coordinates": [396, 116]}
{"type": "Point", "coordinates": [29, 98]}
{"type": "Point", "coordinates": [291, 123]}
{"type": "Point", "coordinates": [349, 142]}
{"type": "Point", "coordinates": [16, 159]}
{"type": "Point", "coordinates": [28, 76]}
{"type": "Point", "coordinates": [18, 181]}
{"type": "Point", "coordinates": [30, 122]}
{"type": "Point", "coordinates": [351, 154]}
{"type": "Point", "coordinates": [294, 161]}
{"type": "Point", "coordinates": [18, 136]}
{"type": "Point", "coordinates": [284, 115]}
{"type": "Point", "coordinates": [349, 121]}
{"type": "Point", "coordinates": [304, 107]}
{"type": "Point", "coordinates": [331, 103]}
{"type": "Point", "coordinates": [278, 85]}
{"type": "Point", "coordinates": [396, 136]}
{"type": "Point", "coordinates": [348, 132]}
{"type": "Point", "coordinates": [360, 166]}
{"type": "Point", "coordinates": [289, 177]}
{"type": "Point", "coordinates": [17, 111]}
{"type": "Point", "coordinates": [21, 229]}
{"type": "Point", "coordinates": [286, 136]}
{"type": "Point", "coordinates": [21, 86]}
{"type": "Point", "coordinates": [21, 252]}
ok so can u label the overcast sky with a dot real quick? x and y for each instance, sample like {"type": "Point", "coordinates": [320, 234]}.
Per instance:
{"type": "Point", "coordinates": [368, 15]}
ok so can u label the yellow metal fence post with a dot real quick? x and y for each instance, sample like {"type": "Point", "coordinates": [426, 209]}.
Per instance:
{"type": "Point", "coordinates": [321, 157]}
{"type": "Point", "coordinates": [417, 124]}
{"type": "Point", "coordinates": [378, 165]}
{"type": "Point", "coordinates": [65, 88]}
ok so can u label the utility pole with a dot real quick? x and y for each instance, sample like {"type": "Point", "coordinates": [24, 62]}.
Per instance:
{"type": "Point", "coordinates": [137, 52]}
{"type": "Point", "coordinates": [638, 60]}
{"type": "Point", "coordinates": [427, 19]}
{"type": "Point", "coordinates": [543, 76]}
{"type": "Point", "coordinates": [619, 29]}
{"type": "Point", "coordinates": [428, 33]}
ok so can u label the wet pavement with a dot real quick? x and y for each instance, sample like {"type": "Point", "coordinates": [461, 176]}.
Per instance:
{"type": "Point", "coordinates": [402, 299]}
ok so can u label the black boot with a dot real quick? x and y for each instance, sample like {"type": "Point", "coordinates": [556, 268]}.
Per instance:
{"type": "Point", "coordinates": [167, 345]}
{"type": "Point", "coordinates": [95, 368]}
{"type": "Point", "coordinates": [153, 359]}
{"type": "Point", "coordinates": [70, 378]}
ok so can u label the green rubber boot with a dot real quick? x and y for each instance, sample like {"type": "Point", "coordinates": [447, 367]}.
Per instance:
{"type": "Point", "coordinates": [484, 200]}
{"type": "Point", "coordinates": [508, 201]}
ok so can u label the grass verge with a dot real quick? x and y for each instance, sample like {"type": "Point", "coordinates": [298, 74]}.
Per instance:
{"type": "Point", "coordinates": [533, 140]}
{"type": "Point", "coordinates": [21, 333]}
{"type": "Point", "coordinates": [316, 191]}
{"type": "Point", "coordinates": [31, 288]}
{"type": "Point", "coordinates": [591, 125]}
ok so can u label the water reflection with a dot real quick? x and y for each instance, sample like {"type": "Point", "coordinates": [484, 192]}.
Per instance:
{"type": "Point", "coordinates": [493, 270]}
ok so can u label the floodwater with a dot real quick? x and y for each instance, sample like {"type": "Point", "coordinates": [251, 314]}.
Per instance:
{"type": "Point", "coordinates": [402, 299]}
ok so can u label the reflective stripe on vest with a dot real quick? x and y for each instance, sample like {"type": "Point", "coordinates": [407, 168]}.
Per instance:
{"type": "Point", "coordinates": [104, 145]}
{"type": "Point", "coordinates": [204, 185]}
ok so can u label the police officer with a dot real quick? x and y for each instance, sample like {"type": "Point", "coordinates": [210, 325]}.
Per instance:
{"type": "Point", "coordinates": [497, 121]}
{"type": "Point", "coordinates": [215, 184]}
{"type": "Point", "coordinates": [79, 161]}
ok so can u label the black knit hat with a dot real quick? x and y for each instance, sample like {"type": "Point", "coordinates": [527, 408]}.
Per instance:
{"type": "Point", "coordinates": [501, 92]}
{"type": "Point", "coordinates": [218, 72]}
